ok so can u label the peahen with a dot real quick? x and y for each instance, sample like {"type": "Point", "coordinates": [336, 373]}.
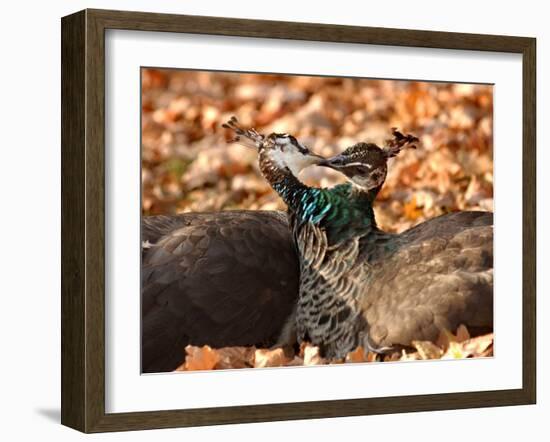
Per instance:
{"type": "Point", "coordinates": [218, 279]}
{"type": "Point", "coordinates": [175, 313]}
{"type": "Point", "coordinates": [362, 286]}
{"type": "Point", "coordinates": [221, 279]}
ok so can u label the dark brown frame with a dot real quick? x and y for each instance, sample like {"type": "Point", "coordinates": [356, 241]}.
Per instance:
{"type": "Point", "coordinates": [83, 216]}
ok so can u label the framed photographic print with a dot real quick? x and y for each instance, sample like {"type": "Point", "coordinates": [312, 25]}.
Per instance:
{"type": "Point", "coordinates": [270, 220]}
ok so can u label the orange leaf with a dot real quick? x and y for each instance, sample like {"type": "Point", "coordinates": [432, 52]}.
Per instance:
{"type": "Point", "coordinates": [200, 358]}
{"type": "Point", "coordinates": [297, 361]}
{"type": "Point", "coordinates": [411, 210]}
{"type": "Point", "coordinates": [357, 355]}
{"type": "Point", "coordinates": [372, 356]}
{"type": "Point", "coordinates": [269, 358]}
{"type": "Point", "coordinates": [235, 357]}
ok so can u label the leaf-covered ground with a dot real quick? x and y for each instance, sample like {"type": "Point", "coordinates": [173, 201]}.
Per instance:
{"type": "Point", "coordinates": [189, 166]}
{"type": "Point", "coordinates": [448, 346]}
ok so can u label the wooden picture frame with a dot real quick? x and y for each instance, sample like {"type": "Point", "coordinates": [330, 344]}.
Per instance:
{"type": "Point", "coordinates": [83, 219]}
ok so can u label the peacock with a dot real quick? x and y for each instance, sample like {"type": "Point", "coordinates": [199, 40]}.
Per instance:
{"type": "Point", "coordinates": [359, 285]}
{"type": "Point", "coordinates": [221, 279]}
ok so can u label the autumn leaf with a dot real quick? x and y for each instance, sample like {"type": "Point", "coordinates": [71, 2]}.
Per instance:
{"type": "Point", "coordinates": [462, 333]}
{"type": "Point", "coordinates": [455, 350]}
{"type": "Point", "coordinates": [294, 362]}
{"type": "Point", "coordinates": [480, 346]}
{"type": "Point", "coordinates": [269, 358]}
{"type": "Point", "coordinates": [312, 356]}
{"type": "Point", "coordinates": [392, 357]}
{"type": "Point", "coordinates": [200, 358]}
{"type": "Point", "coordinates": [357, 355]}
{"type": "Point", "coordinates": [427, 349]}
{"type": "Point", "coordinates": [411, 210]}
{"type": "Point", "coordinates": [410, 356]}
{"type": "Point", "coordinates": [235, 357]}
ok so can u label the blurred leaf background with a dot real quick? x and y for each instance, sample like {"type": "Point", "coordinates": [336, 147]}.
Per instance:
{"type": "Point", "coordinates": [188, 165]}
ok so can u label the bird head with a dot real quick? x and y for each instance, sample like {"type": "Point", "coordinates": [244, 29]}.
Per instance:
{"type": "Point", "coordinates": [277, 150]}
{"type": "Point", "coordinates": [284, 150]}
{"type": "Point", "coordinates": [366, 164]}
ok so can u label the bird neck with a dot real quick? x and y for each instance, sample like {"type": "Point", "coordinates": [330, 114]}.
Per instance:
{"type": "Point", "coordinates": [343, 211]}
{"type": "Point", "coordinates": [283, 181]}
{"type": "Point", "coordinates": [363, 196]}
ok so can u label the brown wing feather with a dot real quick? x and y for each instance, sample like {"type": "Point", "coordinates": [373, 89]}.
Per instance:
{"type": "Point", "coordinates": [228, 278]}
{"type": "Point", "coordinates": [441, 276]}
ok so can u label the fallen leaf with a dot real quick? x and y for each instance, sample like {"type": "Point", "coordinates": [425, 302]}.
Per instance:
{"type": "Point", "coordinates": [444, 339]}
{"type": "Point", "coordinates": [235, 357]}
{"type": "Point", "coordinates": [269, 358]}
{"type": "Point", "coordinates": [392, 357]}
{"type": "Point", "coordinates": [357, 355]}
{"type": "Point", "coordinates": [372, 356]}
{"type": "Point", "coordinates": [411, 210]}
{"type": "Point", "coordinates": [455, 351]}
{"type": "Point", "coordinates": [462, 333]}
{"type": "Point", "coordinates": [410, 356]}
{"type": "Point", "coordinates": [478, 345]}
{"type": "Point", "coordinates": [427, 349]}
{"type": "Point", "coordinates": [312, 356]}
{"type": "Point", "coordinates": [296, 361]}
{"type": "Point", "coordinates": [200, 358]}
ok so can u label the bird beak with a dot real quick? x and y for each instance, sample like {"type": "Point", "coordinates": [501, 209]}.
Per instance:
{"type": "Point", "coordinates": [316, 159]}
{"type": "Point", "coordinates": [335, 162]}
{"type": "Point", "coordinates": [310, 159]}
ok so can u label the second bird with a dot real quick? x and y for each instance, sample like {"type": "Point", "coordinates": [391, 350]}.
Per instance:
{"type": "Point", "coordinates": [362, 286]}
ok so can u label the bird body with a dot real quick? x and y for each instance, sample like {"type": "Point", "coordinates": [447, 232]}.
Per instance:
{"type": "Point", "coordinates": [219, 279]}
{"type": "Point", "coordinates": [432, 277]}
{"type": "Point", "coordinates": [383, 290]}
{"type": "Point", "coordinates": [362, 286]}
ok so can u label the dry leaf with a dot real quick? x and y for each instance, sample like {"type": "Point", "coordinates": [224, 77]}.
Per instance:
{"type": "Point", "coordinates": [269, 358]}
{"type": "Point", "coordinates": [296, 361]}
{"type": "Point", "coordinates": [235, 357]}
{"type": "Point", "coordinates": [200, 358]}
{"type": "Point", "coordinates": [478, 345]}
{"type": "Point", "coordinates": [487, 353]}
{"type": "Point", "coordinates": [410, 356]}
{"type": "Point", "coordinates": [372, 356]}
{"type": "Point", "coordinates": [411, 210]}
{"type": "Point", "coordinates": [357, 355]}
{"type": "Point", "coordinates": [427, 349]}
{"type": "Point", "coordinates": [392, 357]}
{"type": "Point", "coordinates": [444, 339]}
{"type": "Point", "coordinates": [455, 351]}
{"type": "Point", "coordinates": [312, 356]}
{"type": "Point", "coordinates": [462, 333]}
